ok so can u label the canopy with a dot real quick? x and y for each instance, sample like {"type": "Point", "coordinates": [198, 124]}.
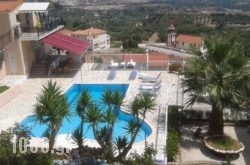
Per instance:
{"type": "Point", "coordinates": [29, 7]}
{"type": "Point", "coordinates": [67, 43]}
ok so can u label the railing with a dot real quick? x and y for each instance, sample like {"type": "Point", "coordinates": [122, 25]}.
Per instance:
{"type": "Point", "coordinates": [35, 33]}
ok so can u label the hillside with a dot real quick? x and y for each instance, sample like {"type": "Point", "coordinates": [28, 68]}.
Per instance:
{"type": "Point", "coordinates": [242, 5]}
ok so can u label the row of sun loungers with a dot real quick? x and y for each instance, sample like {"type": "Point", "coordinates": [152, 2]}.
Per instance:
{"type": "Point", "coordinates": [151, 85]}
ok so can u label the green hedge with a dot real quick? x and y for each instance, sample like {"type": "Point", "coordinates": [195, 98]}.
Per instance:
{"type": "Point", "coordinates": [3, 88]}
{"type": "Point", "coordinates": [174, 135]}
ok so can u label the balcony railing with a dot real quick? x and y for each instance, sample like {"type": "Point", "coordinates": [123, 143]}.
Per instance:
{"type": "Point", "coordinates": [39, 32]}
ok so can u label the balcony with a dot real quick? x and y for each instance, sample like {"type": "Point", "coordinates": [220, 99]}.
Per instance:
{"type": "Point", "coordinates": [37, 33]}
{"type": "Point", "coordinates": [36, 20]}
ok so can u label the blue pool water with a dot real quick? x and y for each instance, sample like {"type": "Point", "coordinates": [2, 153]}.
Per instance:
{"type": "Point", "coordinates": [69, 126]}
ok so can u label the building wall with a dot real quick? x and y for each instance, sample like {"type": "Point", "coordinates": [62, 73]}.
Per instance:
{"type": "Point", "coordinates": [182, 45]}
{"type": "Point", "coordinates": [102, 42]}
{"type": "Point", "coordinates": [5, 30]}
{"type": "Point", "coordinates": [13, 59]}
{"type": "Point", "coordinates": [186, 45]}
{"type": "Point", "coordinates": [28, 55]}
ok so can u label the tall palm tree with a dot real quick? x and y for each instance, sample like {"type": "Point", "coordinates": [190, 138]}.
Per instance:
{"type": "Point", "coordinates": [219, 77]}
{"type": "Point", "coordinates": [51, 108]}
{"type": "Point", "coordinates": [84, 101]}
{"type": "Point", "coordinates": [139, 107]}
{"type": "Point", "coordinates": [113, 100]}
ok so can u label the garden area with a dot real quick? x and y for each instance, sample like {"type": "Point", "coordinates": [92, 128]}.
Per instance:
{"type": "Point", "coordinates": [184, 146]}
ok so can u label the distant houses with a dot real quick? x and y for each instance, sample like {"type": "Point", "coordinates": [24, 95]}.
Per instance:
{"type": "Point", "coordinates": [32, 40]}
{"type": "Point", "coordinates": [182, 42]}
{"type": "Point", "coordinates": [187, 42]}
{"type": "Point", "coordinates": [98, 38]}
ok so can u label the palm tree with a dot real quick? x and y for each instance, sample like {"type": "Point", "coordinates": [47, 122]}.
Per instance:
{"type": "Point", "coordinates": [113, 100]}
{"type": "Point", "coordinates": [84, 101]}
{"type": "Point", "coordinates": [219, 77]}
{"type": "Point", "coordinates": [51, 108]}
{"type": "Point", "coordinates": [142, 104]}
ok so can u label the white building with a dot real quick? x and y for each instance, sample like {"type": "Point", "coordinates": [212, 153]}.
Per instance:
{"type": "Point", "coordinates": [98, 38]}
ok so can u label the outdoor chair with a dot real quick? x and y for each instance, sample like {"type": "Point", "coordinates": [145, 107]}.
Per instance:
{"type": "Point", "coordinates": [112, 73]}
{"type": "Point", "coordinates": [151, 79]}
{"type": "Point", "coordinates": [131, 64]}
{"type": "Point", "coordinates": [197, 134]}
{"type": "Point", "coordinates": [150, 89]}
{"type": "Point", "coordinates": [113, 64]}
{"type": "Point", "coordinates": [132, 75]}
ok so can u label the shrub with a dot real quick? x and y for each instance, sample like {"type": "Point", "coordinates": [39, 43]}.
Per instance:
{"type": "Point", "coordinates": [174, 135]}
{"type": "Point", "coordinates": [172, 144]}
{"type": "Point", "coordinates": [3, 88]}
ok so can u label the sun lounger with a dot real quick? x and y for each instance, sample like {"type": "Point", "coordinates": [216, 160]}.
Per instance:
{"type": "Point", "coordinates": [132, 75]}
{"type": "Point", "coordinates": [150, 88]}
{"type": "Point", "coordinates": [112, 73]}
{"type": "Point", "coordinates": [151, 79]}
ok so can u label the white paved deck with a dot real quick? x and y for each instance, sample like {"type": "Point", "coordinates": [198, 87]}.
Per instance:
{"type": "Point", "coordinates": [19, 105]}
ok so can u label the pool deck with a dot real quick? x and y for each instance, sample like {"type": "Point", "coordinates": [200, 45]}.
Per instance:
{"type": "Point", "coordinates": [18, 102]}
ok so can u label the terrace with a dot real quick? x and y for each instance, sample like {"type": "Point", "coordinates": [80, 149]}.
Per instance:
{"type": "Point", "coordinates": [36, 20]}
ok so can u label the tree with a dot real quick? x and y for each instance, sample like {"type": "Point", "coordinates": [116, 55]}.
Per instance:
{"type": "Point", "coordinates": [107, 112]}
{"type": "Point", "coordinates": [111, 102]}
{"type": "Point", "coordinates": [11, 153]}
{"type": "Point", "coordinates": [219, 77]}
{"type": "Point", "coordinates": [139, 107]}
{"type": "Point", "coordinates": [51, 108]}
{"type": "Point", "coordinates": [84, 101]}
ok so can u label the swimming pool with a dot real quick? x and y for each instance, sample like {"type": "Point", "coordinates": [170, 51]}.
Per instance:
{"type": "Point", "coordinates": [69, 126]}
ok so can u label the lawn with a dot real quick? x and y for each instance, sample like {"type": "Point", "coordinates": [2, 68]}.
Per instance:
{"type": "Point", "coordinates": [3, 88]}
{"type": "Point", "coordinates": [224, 143]}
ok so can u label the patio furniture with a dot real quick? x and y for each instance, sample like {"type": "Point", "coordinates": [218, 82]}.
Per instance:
{"type": "Point", "coordinates": [150, 88]}
{"type": "Point", "coordinates": [113, 64]}
{"type": "Point", "coordinates": [112, 73]}
{"type": "Point", "coordinates": [131, 64]}
{"type": "Point", "coordinates": [122, 65]}
{"type": "Point", "coordinates": [132, 75]}
{"type": "Point", "coordinates": [151, 79]}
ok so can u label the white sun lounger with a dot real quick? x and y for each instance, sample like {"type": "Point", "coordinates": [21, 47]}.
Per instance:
{"type": "Point", "coordinates": [151, 79]}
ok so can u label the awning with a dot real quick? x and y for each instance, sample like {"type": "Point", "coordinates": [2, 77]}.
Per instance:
{"type": "Point", "coordinates": [67, 43]}
{"type": "Point", "coordinates": [39, 7]}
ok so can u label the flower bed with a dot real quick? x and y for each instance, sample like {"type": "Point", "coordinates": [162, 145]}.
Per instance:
{"type": "Point", "coordinates": [223, 144]}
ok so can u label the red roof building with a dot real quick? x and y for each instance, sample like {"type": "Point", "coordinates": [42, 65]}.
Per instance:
{"type": "Point", "coordinates": [188, 42]}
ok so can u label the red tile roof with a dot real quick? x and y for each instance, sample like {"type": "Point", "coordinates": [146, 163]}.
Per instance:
{"type": "Point", "coordinates": [8, 6]}
{"type": "Point", "coordinates": [189, 39]}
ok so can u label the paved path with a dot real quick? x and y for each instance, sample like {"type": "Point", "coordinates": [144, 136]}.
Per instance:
{"type": "Point", "coordinates": [194, 150]}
